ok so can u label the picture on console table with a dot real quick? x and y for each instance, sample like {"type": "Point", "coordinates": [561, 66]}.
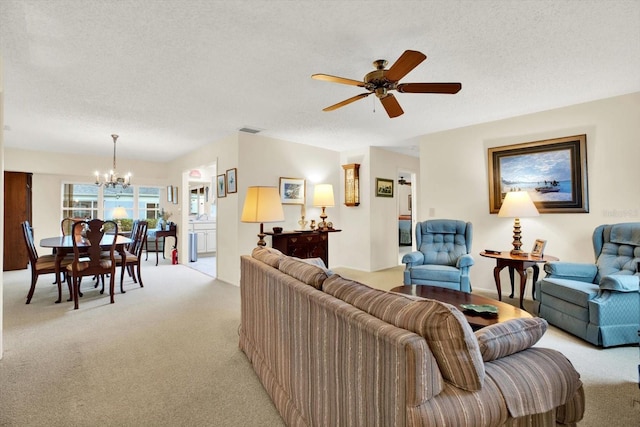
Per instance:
{"type": "Point", "coordinates": [292, 191]}
{"type": "Point", "coordinates": [553, 172]}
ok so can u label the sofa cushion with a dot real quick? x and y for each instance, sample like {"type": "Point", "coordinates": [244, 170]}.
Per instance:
{"type": "Point", "coordinates": [303, 271]}
{"type": "Point", "coordinates": [444, 327]}
{"type": "Point", "coordinates": [573, 291]}
{"type": "Point", "coordinates": [269, 256]}
{"type": "Point", "coordinates": [502, 339]}
{"type": "Point", "coordinates": [439, 273]}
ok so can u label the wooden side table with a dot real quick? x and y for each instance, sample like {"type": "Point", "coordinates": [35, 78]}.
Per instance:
{"type": "Point", "coordinates": [303, 244]}
{"type": "Point", "coordinates": [519, 264]}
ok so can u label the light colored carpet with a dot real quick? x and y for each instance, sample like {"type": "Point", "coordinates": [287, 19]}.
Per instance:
{"type": "Point", "coordinates": [167, 354]}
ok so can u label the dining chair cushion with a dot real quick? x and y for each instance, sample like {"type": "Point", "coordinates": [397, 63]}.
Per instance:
{"type": "Point", "coordinates": [83, 265]}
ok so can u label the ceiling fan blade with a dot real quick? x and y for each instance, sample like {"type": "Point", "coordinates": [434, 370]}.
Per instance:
{"type": "Point", "coordinates": [334, 79]}
{"type": "Point", "coordinates": [407, 62]}
{"type": "Point", "coordinates": [390, 103]}
{"type": "Point", "coordinates": [429, 87]}
{"type": "Point", "coordinates": [346, 102]}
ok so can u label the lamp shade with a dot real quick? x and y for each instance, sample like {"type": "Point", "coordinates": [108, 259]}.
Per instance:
{"type": "Point", "coordinates": [119, 213]}
{"type": "Point", "coordinates": [323, 195]}
{"type": "Point", "coordinates": [518, 204]}
{"type": "Point", "coordinates": [262, 204]}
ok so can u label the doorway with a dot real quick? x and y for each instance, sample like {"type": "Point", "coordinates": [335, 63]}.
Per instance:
{"type": "Point", "coordinates": [202, 219]}
{"type": "Point", "coordinates": [406, 212]}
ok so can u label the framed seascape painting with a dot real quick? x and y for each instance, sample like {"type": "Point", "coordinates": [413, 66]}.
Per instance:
{"type": "Point", "coordinates": [553, 172]}
{"type": "Point", "coordinates": [292, 191]}
{"type": "Point", "coordinates": [384, 187]}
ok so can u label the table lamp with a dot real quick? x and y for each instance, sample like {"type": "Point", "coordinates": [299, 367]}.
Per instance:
{"type": "Point", "coordinates": [262, 204]}
{"type": "Point", "coordinates": [323, 198]}
{"type": "Point", "coordinates": [517, 204]}
{"type": "Point", "coordinates": [119, 213]}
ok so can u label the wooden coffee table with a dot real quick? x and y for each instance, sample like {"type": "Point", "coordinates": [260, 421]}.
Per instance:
{"type": "Point", "coordinates": [455, 298]}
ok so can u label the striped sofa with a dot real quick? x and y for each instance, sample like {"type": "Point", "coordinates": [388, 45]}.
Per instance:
{"type": "Point", "coordinates": [334, 352]}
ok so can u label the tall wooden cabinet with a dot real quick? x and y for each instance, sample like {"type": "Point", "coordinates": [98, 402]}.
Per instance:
{"type": "Point", "coordinates": [17, 208]}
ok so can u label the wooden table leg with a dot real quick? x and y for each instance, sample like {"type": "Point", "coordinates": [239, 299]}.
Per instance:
{"type": "Point", "coordinates": [523, 283]}
{"type": "Point", "coordinates": [536, 272]}
{"type": "Point", "coordinates": [511, 280]}
{"type": "Point", "coordinates": [496, 277]}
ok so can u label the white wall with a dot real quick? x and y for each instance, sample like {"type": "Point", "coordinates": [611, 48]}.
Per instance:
{"type": "Point", "coordinates": [374, 224]}
{"type": "Point", "coordinates": [454, 178]}
{"type": "Point", "coordinates": [1, 207]}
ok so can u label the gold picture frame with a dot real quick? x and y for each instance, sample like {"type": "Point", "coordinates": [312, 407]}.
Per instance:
{"type": "Point", "coordinates": [538, 248]}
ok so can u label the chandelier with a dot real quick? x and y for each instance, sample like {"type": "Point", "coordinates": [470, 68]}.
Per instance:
{"type": "Point", "coordinates": [112, 179]}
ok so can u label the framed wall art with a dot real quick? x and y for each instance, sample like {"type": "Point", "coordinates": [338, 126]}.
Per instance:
{"type": "Point", "coordinates": [232, 186]}
{"type": "Point", "coordinates": [292, 191]}
{"type": "Point", "coordinates": [169, 193]}
{"type": "Point", "coordinates": [221, 186]}
{"type": "Point", "coordinates": [553, 172]}
{"type": "Point", "coordinates": [384, 187]}
{"type": "Point", "coordinates": [174, 195]}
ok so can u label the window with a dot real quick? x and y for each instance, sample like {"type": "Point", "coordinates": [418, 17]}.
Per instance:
{"type": "Point", "coordinates": [80, 201]}
{"type": "Point", "coordinates": [148, 203]}
{"type": "Point", "coordinates": [91, 201]}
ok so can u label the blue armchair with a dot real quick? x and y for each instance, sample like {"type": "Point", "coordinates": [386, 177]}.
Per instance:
{"type": "Point", "coordinates": [442, 258]}
{"type": "Point", "coordinates": [600, 302]}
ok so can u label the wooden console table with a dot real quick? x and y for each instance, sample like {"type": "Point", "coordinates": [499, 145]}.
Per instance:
{"type": "Point", "coordinates": [519, 264]}
{"type": "Point", "coordinates": [171, 232]}
{"type": "Point", "coordinates": [303, 244]}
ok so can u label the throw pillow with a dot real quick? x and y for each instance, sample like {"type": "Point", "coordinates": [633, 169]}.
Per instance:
{"type": "Point", "coordinates": [502, 339]}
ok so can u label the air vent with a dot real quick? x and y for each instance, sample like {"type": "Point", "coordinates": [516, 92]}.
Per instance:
{"type": "Point", "coordinates": [249, 130]}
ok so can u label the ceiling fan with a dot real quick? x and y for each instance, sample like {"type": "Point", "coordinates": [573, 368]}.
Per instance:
{"type": "Point", "coordinates": [381, 81]}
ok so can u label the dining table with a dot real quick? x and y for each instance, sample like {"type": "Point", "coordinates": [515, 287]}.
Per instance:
{"type": "Point", "coordinates": [63, 245]}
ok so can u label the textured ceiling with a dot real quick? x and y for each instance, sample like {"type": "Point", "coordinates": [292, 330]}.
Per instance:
{"type": "Point", "coordinates": [170, 76]}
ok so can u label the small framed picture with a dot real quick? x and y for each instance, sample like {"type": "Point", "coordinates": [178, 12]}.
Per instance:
{"type": "Point", "coordinates": [231, 181]}
{"type": "Point", "coordinates": [221, 186]}
{"type": "Point", "coordinates": [292, 191]}
{"type": "Point", "coordinates": [174, 195]}
{"type": "Point", "coordinates": [538, 248]}
{"type": "Point", "coordinates": [169, 193]}
{"type": "Point", "coordinates": [384, 187]}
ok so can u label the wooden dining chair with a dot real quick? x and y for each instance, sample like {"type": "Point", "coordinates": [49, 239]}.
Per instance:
{"type": "Point", "coordinates": [133, 255]}
{"type": "Point", "coordinates": [88, 255]}
{"type": "Point", "coordinates": [45, 264]}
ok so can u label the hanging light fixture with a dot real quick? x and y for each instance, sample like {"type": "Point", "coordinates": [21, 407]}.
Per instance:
{"type": "Point", "coordinates": [112, 179]}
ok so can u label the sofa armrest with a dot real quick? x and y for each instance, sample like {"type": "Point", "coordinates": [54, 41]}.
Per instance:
{"type": "Point", "coordinates": [571, 270]}
{"type": "Point", "coordinates": [506, 338]}
{"type": "Point", "coordinates": [620, 283]}
{"type": "Point", "coordinates": [413, 258]}
{"type": "Point", "coordinates": [465, 260]}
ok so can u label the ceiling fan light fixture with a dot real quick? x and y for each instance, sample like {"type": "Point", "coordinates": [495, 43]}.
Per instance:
{"type": "Point", "coordinates": [380, 81]}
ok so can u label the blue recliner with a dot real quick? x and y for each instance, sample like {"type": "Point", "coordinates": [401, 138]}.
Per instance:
{"type": "Point", "coordinates": [599, 302]}
{"type": "Point", "coordinates": [442, 258]}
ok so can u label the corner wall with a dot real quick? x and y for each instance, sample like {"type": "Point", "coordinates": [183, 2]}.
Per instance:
{"type": "Point", "coordinates": [454, 178]}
